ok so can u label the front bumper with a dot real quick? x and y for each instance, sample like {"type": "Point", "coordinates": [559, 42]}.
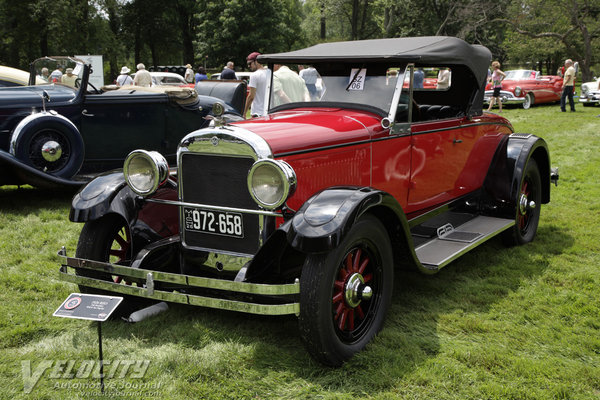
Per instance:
{"type": "Point", "coordinates": [590, 98]}
{"type": "Point", "coordinates": [253, 298]}
{"type": "Point", "coordinates": [506, 97]}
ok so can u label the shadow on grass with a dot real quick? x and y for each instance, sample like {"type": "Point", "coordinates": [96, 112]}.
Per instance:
{"type": "Point", "coordinates": [25, 199]}
{"type": "Point", "coordinates": [410, 336]}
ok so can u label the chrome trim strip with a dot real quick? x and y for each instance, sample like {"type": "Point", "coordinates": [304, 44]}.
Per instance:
{"type": "Point", "coordinates": [184, 280]}
{"type": "Point", "coordinates": [216, 208]}
{"type": "Point", "coordinates": [226, 140]}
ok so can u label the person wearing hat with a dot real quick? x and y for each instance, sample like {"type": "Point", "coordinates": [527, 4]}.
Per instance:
{"type": "Point", "coordinates": [257, 84]}
{"type": "Point", "coordinates": [68, 78]}
{"type": "Point", "coordinates": [142, 77]}
{"type": "Point", "coordinates": [189, 74]}
{"type": "Point", "coordinates": [124, 78]}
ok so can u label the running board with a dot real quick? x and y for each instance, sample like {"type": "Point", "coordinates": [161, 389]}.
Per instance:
{"type": "Point", "coordinates": [452, 243]}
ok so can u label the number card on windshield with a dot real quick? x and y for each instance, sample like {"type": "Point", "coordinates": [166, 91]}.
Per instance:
{"type": "Point", "coordinates": [357, 79]}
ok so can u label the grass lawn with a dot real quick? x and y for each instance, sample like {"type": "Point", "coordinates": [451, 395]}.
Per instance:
{"type": "Point", "coordinates": [500, 323]}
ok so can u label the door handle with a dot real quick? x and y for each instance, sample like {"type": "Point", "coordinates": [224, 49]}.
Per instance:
{"type": "Point", "coordinates": [84, 112]}
{"type": "Point", "coordinates": [456, 141]}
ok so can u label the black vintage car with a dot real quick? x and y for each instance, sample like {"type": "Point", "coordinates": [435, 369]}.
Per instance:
{"type": "Point", "coordinates": [65, 130]}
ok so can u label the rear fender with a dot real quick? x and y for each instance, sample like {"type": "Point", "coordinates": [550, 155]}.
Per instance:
{"type": "Point", "coordinates": [505, 174]}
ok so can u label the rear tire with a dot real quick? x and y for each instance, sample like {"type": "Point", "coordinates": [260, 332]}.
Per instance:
{"type": "Point", "coordinates": [526, 216]}
{"type": "Point", "coordinates": [337, 317]}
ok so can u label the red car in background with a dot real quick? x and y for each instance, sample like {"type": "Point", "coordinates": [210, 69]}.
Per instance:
{"type": "Point", "coordinates": [527, 87]}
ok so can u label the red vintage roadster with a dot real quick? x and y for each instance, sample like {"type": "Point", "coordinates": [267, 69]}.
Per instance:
{"type": "Point", "coordinates": [309, 210]}
{"type": "Point", "coordinates": [527, 87]}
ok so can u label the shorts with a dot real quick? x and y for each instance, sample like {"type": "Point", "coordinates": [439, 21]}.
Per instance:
{"type": "Point", "coordinates": [496, 92]}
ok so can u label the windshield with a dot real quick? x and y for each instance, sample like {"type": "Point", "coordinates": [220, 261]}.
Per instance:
{"type": "Point", "coordinates": [370, 86]}
{"type": "Point", "coordinates": [521, 74]}
{"type": "Point", "coordinates": [65, 71]}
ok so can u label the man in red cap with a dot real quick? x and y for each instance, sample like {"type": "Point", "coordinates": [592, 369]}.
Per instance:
{"type": "Point", "coordinates": [258, 82]}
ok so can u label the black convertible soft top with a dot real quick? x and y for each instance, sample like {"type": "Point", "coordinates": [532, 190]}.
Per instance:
{"type": "Point", "coordinates": [426, 50]}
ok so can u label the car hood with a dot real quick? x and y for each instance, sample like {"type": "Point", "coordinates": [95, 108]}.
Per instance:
{"type": "Point", "coordinates": [32, 95]}
{"type": "Point", "coordinates": [312, 128]}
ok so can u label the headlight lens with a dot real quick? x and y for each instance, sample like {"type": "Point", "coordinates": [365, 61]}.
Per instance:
{"type": "Point", "coordinates": [271, 182]}
{"type": "Point", "coordinates": [584, 90]}
{"type": "Point", "coordinates": [517, 91]}
{"type": "Point", "coordinates": [145, 171]}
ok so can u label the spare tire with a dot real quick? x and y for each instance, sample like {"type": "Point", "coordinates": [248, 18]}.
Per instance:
{"type": "Point", "coordinates": [48, 142]}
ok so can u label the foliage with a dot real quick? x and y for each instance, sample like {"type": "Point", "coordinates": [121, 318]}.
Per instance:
{"type": "Point", "coordinates": [231, 30]}
{"type": "Point", "coordinates": [500, 323]}
{"type": "Point", "coordinates": [178, 32]}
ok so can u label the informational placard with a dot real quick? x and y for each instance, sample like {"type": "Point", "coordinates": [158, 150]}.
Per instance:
{"type": "Point", "coordinates": [357, 79]}
{"type": "Point", "coordinates": [97, 75]}
{"type": "Point", "coordinates": [93, 307]}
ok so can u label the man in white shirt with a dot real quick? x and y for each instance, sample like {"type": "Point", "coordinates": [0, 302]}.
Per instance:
{"type": "Point", "coordinates": [567, 88]}
{"type": "Point", "coordinates": [142, 77]}
{"type": "Point", "coordinates": [261, 76]}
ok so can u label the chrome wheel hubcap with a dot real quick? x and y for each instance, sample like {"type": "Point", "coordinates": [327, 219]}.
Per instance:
{"type": "Point", "coordinates": [356, 290]}
{"type": "Point", "coordinates": [51, 151]}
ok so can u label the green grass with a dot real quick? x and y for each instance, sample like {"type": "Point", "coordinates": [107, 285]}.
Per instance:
{"type": "Point", "coordinates": [500, 323]}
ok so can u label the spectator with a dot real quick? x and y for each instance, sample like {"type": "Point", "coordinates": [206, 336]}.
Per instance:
{"type": "Point", "coordinates": [201, 74]}
{"type": "Point", "coordinates": [69, 78]}
{"type": "Point", "coordinates": [418, 78]}
{"type": "Point", "coordinates": [189, 74]}
{"type": "Point", "coordinates": [288, 87]}
{"type": "Point", "coordinates": [57, 74]}
{"type": "Point", "coordinates": [497, 77]}
{"type": "Point", "coordinates": [567, 88]}
{"type": "Point", "coordinates": [142, 77]}
{"type": "Point", "coordinates": [257, 87]}
{"type": "Point", "coordinates": [124, 78]}
{"type": "Point", "coordinates": [45, 74]}
{"type": "Point", "coordinates": [443, 80]}
{"type": "Point", "coordinates": [228, 72]}
{"type": "Point", "coordinates": [310, 77]}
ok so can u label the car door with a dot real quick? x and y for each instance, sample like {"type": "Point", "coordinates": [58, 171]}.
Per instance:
{"type": "Point", "coordinates": [116, 122]}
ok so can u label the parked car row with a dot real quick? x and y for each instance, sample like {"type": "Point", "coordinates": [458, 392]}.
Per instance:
{"type": "Point", "coordinates": [308, 210]}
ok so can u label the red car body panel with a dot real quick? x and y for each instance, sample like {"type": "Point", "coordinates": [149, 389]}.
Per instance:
{"type": "Point", "coordinates": [433, 165]}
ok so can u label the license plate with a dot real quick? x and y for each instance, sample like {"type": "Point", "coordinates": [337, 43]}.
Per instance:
{"type": "Point", "coordinates": [214, 222]}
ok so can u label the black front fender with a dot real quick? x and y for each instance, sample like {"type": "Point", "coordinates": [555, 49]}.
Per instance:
{"type": "Point", "coordinates": [105, 194]}
{"type": "Point", "coordinates": [15, 172]}
{"type": "Point", "coordinates": [325, 219]}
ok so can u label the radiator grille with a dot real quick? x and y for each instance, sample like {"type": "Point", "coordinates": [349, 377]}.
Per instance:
{"type": "Point", "coordinates": [220, 181]}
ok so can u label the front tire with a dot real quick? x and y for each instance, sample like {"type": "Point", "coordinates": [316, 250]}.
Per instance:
{"type": "Point", "coordinates": [529, 100]}
{"type": "Point", "coordinates": [528, 207]}
{"type": "Point", "coordinates": [107, 239]}
{"type": "Point", "coordinates": [339, 316]}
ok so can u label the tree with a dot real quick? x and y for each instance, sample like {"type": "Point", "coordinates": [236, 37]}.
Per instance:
{"type": "Point", "coordinates": [233, 29]}
{"type": "Point", "coordinates": [573, 23]}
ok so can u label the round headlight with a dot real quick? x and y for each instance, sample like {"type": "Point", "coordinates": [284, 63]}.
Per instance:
{"type": "Point", "coordinates": [145, 171]}
{"type": "Point", "coordinates": [584, 90]}
{"type": "Point", "coordinates": [517, 91]}
{"type": "Point", "coordinates": [271, 182]}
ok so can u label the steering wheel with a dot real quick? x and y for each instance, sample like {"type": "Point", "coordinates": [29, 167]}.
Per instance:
{"type": "Point", "coordinates": [77, 82]}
